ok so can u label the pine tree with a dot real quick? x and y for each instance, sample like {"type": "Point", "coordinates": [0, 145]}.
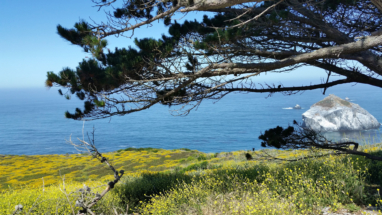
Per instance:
{"type": "Point", "coordinates": [219, 55]}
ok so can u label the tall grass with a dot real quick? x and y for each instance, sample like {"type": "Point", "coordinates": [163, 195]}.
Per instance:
{"type": "Point", "coordinates": [302, 187]}
{"type": "Point", "coordinates": [224, 183]}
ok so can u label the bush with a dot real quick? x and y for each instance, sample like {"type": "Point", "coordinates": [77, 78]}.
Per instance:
{"type": "Point", "coordinates": [134, 190]}
{"type": "Point", "coordinates": [227, 184]}
{"type": "Point", "coordinates": [292, 188]}
{"type": "Point", "coordinates": [52, 199]}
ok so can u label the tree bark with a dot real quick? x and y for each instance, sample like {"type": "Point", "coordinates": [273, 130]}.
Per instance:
{"type": "Point", "coordinates": [204, 5]}
{"type": "Point", "coordinates": [378, 4]}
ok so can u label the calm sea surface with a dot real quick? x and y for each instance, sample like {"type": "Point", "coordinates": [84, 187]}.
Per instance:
{"type": "Point", "coordinates": [32, 122]}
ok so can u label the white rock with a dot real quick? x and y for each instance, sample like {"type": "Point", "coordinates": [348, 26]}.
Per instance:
{"type": "Point", "coordinates": [336, 114]}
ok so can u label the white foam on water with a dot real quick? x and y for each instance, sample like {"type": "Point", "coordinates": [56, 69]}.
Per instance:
{"type": "Point", "coordinates": [290, 108]}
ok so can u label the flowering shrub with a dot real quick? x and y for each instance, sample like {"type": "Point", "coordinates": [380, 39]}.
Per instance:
{"type": "Point", "coordinates": [189, 182]}
{"type": "Point", "coordinates": [291, 188]}
{"type": "Point", "coordinates": [52, 199]}
{"type": "Point", "coordinates": [17, 171]}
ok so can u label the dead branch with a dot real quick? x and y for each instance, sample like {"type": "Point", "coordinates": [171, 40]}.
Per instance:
{"type": "Point", "coordinates": [89, 147]}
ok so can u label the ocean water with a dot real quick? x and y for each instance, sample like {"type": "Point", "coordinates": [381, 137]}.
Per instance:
{"type": "Point", "coordinates": [32, 122]}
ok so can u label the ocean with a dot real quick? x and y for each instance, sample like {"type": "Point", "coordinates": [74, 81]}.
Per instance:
{"type": "Point", "coordinates": [32, 122]}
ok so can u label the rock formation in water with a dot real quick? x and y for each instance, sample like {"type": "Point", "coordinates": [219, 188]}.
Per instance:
{"type": "Point", "coordinates": [335, 114]}
{"type": "Point", "coordinates": [297, 107]}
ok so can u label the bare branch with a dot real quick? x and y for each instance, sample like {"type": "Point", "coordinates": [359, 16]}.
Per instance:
{"type": "Point", "coordinates": [91, 149]}
{"type": "Point", "coordinates": [101, 4]}
{"type": "Point", "coordinates": [206, 5]}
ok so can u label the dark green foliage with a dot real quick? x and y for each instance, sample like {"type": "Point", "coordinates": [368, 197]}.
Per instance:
{"type": "Point", "coordinates": [374, 168]}
{"type": "Point", "coordinates": [275, 137]}
{"type": "Point", "coordinates": [107, 71]}
{"type": "Point", "coordinates": [81, 95]}
{"type": "Point", "coordinates": [68, 115]}
{"type": "Point", "coordinates": [76, 34]}
{"type": "Point", "coordinates": [248, 156]}
{"type": "Point", "coordinates": [167, 21]}
{"type": "Point", "coordinates": [166, 100]}
{"type": "Point", "coordinates": [134, 9]}
{"type": "Point", "coordinates": [53, 78]}
{"type": "Point", "coordinates": [142, 188]}
{"type": "Point", "coordinates": [82, 35]}
{"type": "Point", "coordinates": [375, 171]}
{"type": "Point", "coordinates": [78, 113]}
{"type": "Point", "coordinates": [192, 63]}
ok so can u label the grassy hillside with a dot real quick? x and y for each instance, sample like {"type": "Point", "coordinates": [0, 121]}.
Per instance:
{"type": "Point", "coordinates": [190, 182]}
{"type": "Point", "coordinates": [33, 171]}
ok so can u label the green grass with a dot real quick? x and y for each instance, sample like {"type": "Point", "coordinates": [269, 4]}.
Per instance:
{"type": "Point", "coordinates": [191, 182]}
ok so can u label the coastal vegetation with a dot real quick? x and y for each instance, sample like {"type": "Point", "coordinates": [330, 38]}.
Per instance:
{"type": "Point", "coordinates": [182, 181]}
{"type": "Point", "coordinates": [36, 170]}
{"type": "Point", "coordinates": [199, 60]}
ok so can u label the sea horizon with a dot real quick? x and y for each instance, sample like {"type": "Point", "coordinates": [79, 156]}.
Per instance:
{"type": "Point", "coordinates": [33, 122]}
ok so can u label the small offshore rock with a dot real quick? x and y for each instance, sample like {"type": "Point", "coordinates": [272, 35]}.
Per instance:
{"type": "Point", "coordinates": [297, 107]}
{"type": "Point", "coordinates": [335, 114]}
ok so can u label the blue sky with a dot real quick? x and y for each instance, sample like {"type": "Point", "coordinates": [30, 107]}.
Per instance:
{"type": "Point", "coordinates": [31, 47]}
